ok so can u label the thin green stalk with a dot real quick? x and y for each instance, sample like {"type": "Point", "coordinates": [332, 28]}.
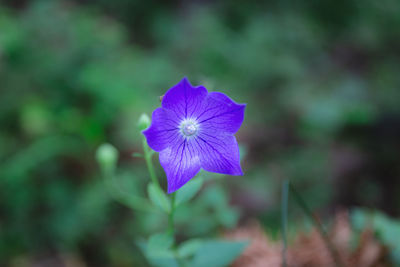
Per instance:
{"type": "Point", "coordinates": [318, 225]}
{"type": "Point", "coordinates": [171, 230]}
{"type": "Point", "coordinates": [147, 156]}
{"type": "Point", "coordinates": [171, 215]}
{"type": "Point", "coordinates": [284, 210]}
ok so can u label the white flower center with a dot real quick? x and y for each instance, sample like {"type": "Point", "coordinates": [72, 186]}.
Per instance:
{"type": "Point", "coordinates": [189, 127]}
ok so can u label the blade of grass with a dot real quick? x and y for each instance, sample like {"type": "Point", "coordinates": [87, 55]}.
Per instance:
{"type": "Point", "coordinates": [300, 201]}
{"type": "Point", "coordinates": [284, 217]}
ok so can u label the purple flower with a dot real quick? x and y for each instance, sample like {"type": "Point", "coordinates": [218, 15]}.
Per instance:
{"type": "Point", "coordinates": [194, 129]}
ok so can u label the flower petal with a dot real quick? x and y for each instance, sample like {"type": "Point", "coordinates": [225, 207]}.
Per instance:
{"type": "Point", "coordinates": [219, 153]}
{"type": "Point", "coordinates": [181, 163]}
{"type": "Point", "coordinates": [220, 113]}
{"type": "Point", "coordinates": [184, 99]}
{"type": "Point", "coordinates": [163, 131]}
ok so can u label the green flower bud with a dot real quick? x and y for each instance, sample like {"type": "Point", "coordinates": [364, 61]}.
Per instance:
{"type": "Point", "coordinates": [143, 122]}
{"type": "Point", "coordinates": [107, 156]}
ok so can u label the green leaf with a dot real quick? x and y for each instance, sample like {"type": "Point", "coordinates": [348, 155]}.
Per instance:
{"type": "Point", "coordinates": [217, 253]}
{"type": "Point", "coordinates": [188, 191]}
{"type": "Point", "coordinates": [159, 243]}
{"type": "Point", "coordinates": [228, 216]}
{"type": "Point", "coordinates": [216, 197]}
{"type": "Point", "coordinates": [188, 248]}
{"type": "Point", "coordinates": [158, 197]}
{"type": "Point", "coordinates": [163, 261]}
{"type": "Point", "coordinates": [161, 258]}
{"type": "Point", "coordinates": [386, 228]}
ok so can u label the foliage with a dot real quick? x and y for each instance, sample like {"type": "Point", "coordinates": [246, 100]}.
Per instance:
{"type": "Point", "coordinates": [387, 229]}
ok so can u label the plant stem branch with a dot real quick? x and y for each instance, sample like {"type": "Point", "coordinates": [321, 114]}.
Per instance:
{"type": "Point", "coordinates": [318, 225]}
{"type": "Point", "coordinates": [171, 215]}
{"type": "Point", "coordinates": [148, 157]}
{"type": "Point", "coordinates": [284, 210]}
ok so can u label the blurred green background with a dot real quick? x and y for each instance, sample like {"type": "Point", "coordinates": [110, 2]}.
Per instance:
{"type": "Point", "coordinates": [321, 80]}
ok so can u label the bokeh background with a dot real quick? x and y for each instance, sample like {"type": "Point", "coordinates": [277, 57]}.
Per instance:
{"type": "Point", "coordinates": [321, 80]}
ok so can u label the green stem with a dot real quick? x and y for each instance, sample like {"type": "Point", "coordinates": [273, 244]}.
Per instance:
{"type": "Point", "coordinates": [318, 226]}
{"type": "Point", "coordinates": [171, 215]}
{"type": "Point", "coordinates": [284, 217]}
{"type": "Point", "coordinates": [147, 156]}
{"type": "Point", "coordinates": [171, 230]}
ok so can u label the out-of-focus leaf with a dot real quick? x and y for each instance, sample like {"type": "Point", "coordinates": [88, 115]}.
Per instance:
{"type": "Point", "coordinates": [189, 190]}
{"type": "Point", "coordinates": [158, 197]}
{"type": "Point", "coordinates": [387, 229]}
{"type": "Point", "coordinates": [46, 148]}
{"type": "Point", "coordinates": [228, 217]}
{"type": "Point", "coordinates": [162, 258]}
{"type": "Point", "coordinates": [216, 253]}
{"type": "Point", "coordinates": [188, 248]}
{"type": "Point", "coordinates": [159, 243]}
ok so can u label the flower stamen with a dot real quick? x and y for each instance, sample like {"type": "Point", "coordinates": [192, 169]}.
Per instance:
{"type": "Point", "coordinates": [189, 128]}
